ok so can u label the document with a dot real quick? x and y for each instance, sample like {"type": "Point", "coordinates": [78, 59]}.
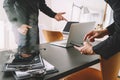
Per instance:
{"type": "Point", "coordinates": [37, 63]}
{"type": "Point", "coordinates": [30, 73]}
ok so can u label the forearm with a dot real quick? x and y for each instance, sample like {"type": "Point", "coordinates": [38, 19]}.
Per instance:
{"type": "Point", "coordinates": [45, 9]}
{"type": "Point", "coordinates": [105, 32]}
{"type": "Point", "coordinates": [108, 47]}
{"type": "Point", "coordinates": [111, 29]}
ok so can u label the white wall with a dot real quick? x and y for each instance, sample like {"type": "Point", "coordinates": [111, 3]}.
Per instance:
{"type": "Point", "coordinates": [61, 6]}
{"type": "Point", "coordinates": [44, 19]}
{"type": "Point", "coordinates": [2, 41]}
{"type": "Point", "coordinates": [66, 6]}
{"type": "Point", "coordinates": [7, 40]}
{"type": "Point", "coordinates": [45, 22]}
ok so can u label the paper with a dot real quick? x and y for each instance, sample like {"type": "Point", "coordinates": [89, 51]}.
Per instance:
{"type": "Point", "coordinates": [17, 66]}
{"type": "Point", "coordinates": [48, 67]}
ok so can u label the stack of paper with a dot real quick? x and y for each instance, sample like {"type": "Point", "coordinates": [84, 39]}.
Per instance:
{"type": "Point", "coordinates": [49, 68]}
{"type": "Point", "coordinates": [9, 66]}
{"type": "Point", "coordinates": [23, 71]}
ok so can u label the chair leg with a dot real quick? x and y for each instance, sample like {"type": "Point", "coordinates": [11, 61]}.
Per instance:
{"type": "Point", "coordinates": [110, 67]}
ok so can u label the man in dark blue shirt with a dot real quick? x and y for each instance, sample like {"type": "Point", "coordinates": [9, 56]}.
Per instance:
{"type": "Point", "coordinates": [111, 45]}
{"type": "Point", "coordinates": [23, 14]}
{"type": "Point", "coordinates": [109, 49]}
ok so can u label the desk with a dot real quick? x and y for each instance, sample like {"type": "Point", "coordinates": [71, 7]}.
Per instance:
{"type": "Point", "coordinates": [66, 60]}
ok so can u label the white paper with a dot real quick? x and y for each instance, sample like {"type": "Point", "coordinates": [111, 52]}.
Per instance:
{"type": "Point", "coordinates": [48, 67]}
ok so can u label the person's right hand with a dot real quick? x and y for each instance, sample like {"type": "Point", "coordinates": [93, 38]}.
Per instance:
{"type": "Point", "coordinates": [23, 29]}
{"type": "Point", "coordinates": [95, 34]}
{"type": "Point", "coordinates": [59, 16]}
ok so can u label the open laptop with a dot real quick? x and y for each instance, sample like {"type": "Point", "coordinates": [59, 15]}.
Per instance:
{"type": "Point", "coordinates": [76, 35]}
{"type": "Point", "coordinates": [67, 27]}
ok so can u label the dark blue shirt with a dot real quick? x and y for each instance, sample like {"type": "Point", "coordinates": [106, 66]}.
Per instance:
{"type": "Point", "coordinates": [111, 45]}
{"type": "Point", "coordinates": [26, 11]}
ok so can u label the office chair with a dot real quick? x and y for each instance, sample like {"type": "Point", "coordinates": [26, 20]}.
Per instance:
{"type": "Point", "coordinates": [85, 74]}
{"type": "Point", "coordinates": [51, 36]}
{"type": "Point", "coordinates": [110, 67]}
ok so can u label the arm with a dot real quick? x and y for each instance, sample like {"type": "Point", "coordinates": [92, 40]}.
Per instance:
{"type": "Point", "coordinates": [45, 9]}
{"type": "Point", "coordinates": [108, 47]}
{"type": "Point", "coordinates": [111, 45]}
{"type": "Point", "coordinates": [111, 28]}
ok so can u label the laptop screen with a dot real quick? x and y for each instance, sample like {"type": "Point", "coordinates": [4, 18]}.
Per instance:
{"type": "Point", "coordinates": [67, 26]}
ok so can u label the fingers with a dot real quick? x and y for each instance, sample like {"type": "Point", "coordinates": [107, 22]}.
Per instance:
{"type": "Point", "coordinates": [25, 26]}
{"type": "Point", "coordinates": [87, 36]}
{"type": "Point", "coordinates": [62, 13]}
{"type": "Point", "coordinates": [64, 19]}
{"type": "Point", "coordinates": [90, 36]}
{"type": "Point", "coordinates": [85, 49]}
{"type": "Point", "coordinates": [92, 39]}
{"type": "Point", "coordinates": [23, 29]}
{"type": "Point", "coordinates": [28, 27]}
{"type": "Point", "coordinates": [59, 16]}
{"type": "Point", "coordinates": [79, 49]}
{"type": "Point", "coordinates": [84, 43]}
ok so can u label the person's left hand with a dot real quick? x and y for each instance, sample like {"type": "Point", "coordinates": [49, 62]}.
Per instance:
{"type": "Point", "coordinates": [59, 16]}
{"type": "Point", "coordinates": [23, 29]}
{"type": "Point", "coordinates": [85, 49]}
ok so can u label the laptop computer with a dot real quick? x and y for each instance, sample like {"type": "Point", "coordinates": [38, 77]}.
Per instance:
{"type": "Point", "coordinates": [67, 27]}
{"type": "Point", "coordinates": [76, 35]}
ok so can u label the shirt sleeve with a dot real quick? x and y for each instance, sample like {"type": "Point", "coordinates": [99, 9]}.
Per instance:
{"type": "Point", "coordinates": [111, 28]}
{"type": "Point", "coordinates": [109, 47]}
{"type": "Point", "coordinates": [45, 9]}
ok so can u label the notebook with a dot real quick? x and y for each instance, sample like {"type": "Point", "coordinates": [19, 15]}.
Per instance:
{"type": "Point", "coordinates": [76, 34]}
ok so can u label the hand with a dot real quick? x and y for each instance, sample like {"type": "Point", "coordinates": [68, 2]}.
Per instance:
{"type": "Point", "coordinates": [95, 34]}
{"type": "Point", "coordinates": [23, 29]}
{"type": "Point", "coordinates": [59, 16]}
{"type": "Point", "coordinates": [85, 49]}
